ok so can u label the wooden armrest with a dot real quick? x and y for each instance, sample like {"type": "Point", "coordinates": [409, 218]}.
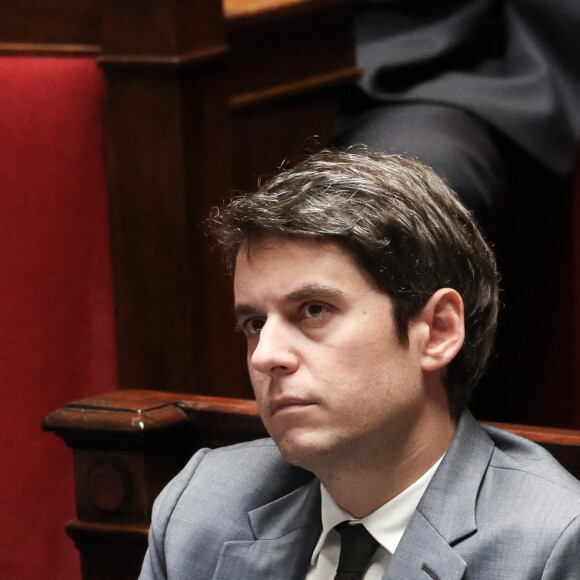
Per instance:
{"type": "Point", "coordinates": [127, 445]}
{"type": "Point", "coordinates": [141, 413]}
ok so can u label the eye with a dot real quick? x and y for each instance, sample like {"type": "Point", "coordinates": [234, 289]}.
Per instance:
{"type": "Point", "coordinates": [253, 326]}
{"type": "Point", "coordinates": [315, 310]}
{"type": "Point", "coordinates": [315, 313]}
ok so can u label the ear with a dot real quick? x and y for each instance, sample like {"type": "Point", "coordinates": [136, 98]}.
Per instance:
{"type": "Point", "coordinates": [443, 318]}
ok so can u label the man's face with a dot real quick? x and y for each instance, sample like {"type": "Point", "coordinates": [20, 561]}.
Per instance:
{"type": "Point", "coordinates": [331, 378]}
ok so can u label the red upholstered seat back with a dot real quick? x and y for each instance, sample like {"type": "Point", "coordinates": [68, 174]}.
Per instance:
{"type": "Point", "coordinates": [56, 312]}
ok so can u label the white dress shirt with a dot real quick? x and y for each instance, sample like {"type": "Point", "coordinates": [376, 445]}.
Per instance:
{"type": "Point", "coordinates": [386, 524]}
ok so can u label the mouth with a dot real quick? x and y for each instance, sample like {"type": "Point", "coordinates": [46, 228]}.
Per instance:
{"type": "Point", "coordinates": [287, 405]}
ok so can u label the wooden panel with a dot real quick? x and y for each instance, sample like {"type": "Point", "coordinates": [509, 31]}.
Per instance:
{"type": "Point", "coordinates": [277, 51]}
{"type": "Point", "coordinates": [298, 67]}
{"type": "Point", "coordinates": [168, 143]}
{"type": "Point", "coordinates": [127, 445]}
{"type": "Point", "coordinates": [174, 28]}
{"type": "Point", "coordinates": [49, 26]}
{"type": "Point", "coordinates": [533, 378]}
{"type": "Point", "coordinates": [279, 132]}
{"type": "Point", "coordinates": [165, 172]}
{"type": "Point", "coordinates": [62, 27]}
{"type": "Point", "coordinates": [574, 284]}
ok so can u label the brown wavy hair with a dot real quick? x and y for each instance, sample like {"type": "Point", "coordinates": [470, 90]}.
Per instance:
{"type": "Point", "coordinates": [401, 223]}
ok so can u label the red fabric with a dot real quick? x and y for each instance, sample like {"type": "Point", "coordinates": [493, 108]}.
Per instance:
{"type": "Point", "coordinates": [56, 313]}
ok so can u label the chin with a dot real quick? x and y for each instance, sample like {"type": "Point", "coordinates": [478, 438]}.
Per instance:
{"type": "Point", "coordinates": [303, 450]}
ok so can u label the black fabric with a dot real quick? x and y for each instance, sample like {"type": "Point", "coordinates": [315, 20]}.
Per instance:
{"type": "Point", "coordinates": [461, 148]}
{"type": "Point", "coordinates": [356, 549]}
{"type": "Point", "coordinates": [509, 62]}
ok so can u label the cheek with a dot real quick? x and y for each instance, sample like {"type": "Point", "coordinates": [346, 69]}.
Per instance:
{"type": "Point", "coordinates": [375, 368]}
{"type": "Point", "coordinates": [365, 352]}
{"type": "Point", "coordinates": [259, 384]}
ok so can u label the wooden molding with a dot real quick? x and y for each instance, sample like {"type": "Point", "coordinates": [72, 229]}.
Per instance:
{"type": "Point", "coordinates": [199, 57]}
{"type": "Point", "coordinates": [294, 89]}
{"type": "Point", "coordinates": [48, 49]}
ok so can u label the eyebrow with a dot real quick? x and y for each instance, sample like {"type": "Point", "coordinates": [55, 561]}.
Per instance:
{"type": "Point", "coordinates": [309, 292]}
{"type": "Point", "coordinates": [243, 310]}
{"type": "Point", "coordinates": [312, 291]}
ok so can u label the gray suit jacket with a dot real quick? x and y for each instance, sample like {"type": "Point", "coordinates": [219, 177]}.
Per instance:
{"type": "Point", "coordinates": [498, 508]}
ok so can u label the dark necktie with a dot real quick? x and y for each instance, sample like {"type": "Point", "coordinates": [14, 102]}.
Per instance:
{"type": "Point", "coordinates": [356, 549]}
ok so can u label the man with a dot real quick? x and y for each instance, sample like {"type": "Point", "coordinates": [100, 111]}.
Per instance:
{"type": "Point", "coordinates": [368, 299]}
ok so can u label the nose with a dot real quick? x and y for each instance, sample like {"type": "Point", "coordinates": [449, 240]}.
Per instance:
{"type": "Point", "coordinates": [275, 352]}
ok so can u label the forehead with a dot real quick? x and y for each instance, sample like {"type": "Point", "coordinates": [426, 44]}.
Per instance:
{"type": "Point", "coordinates": [280, 265]}
{"type": "Point", "coordinates": [269, 251]}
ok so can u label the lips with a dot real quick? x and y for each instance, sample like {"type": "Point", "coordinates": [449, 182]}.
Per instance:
{"type": "Point", "coordinates": [286, 404]}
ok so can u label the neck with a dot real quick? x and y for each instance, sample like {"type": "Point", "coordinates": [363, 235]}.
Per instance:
{"type": "Point", "coordinates": [362, 482]}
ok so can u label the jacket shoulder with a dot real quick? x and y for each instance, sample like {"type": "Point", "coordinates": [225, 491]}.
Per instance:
{"type": "Point", "coordinates": [248, 474]}
{"type": "Point", "coordinates": [526, 491]}
{"type": "Point", "coordinates": [515, 453]}
{"type": "Point", "coordinates": [208, 502]}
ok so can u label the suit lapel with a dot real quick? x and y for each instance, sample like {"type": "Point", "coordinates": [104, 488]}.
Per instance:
{"type": "Point", "coordinates": [286, 531]}
{"type": "Point", "coordinates": [423, 554]}
{"type": "Point", "coordinates": [446, 514]}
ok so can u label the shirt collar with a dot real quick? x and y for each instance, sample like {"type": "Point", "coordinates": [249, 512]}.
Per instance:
{"type": "Point", "coordinates": [386, 524]}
